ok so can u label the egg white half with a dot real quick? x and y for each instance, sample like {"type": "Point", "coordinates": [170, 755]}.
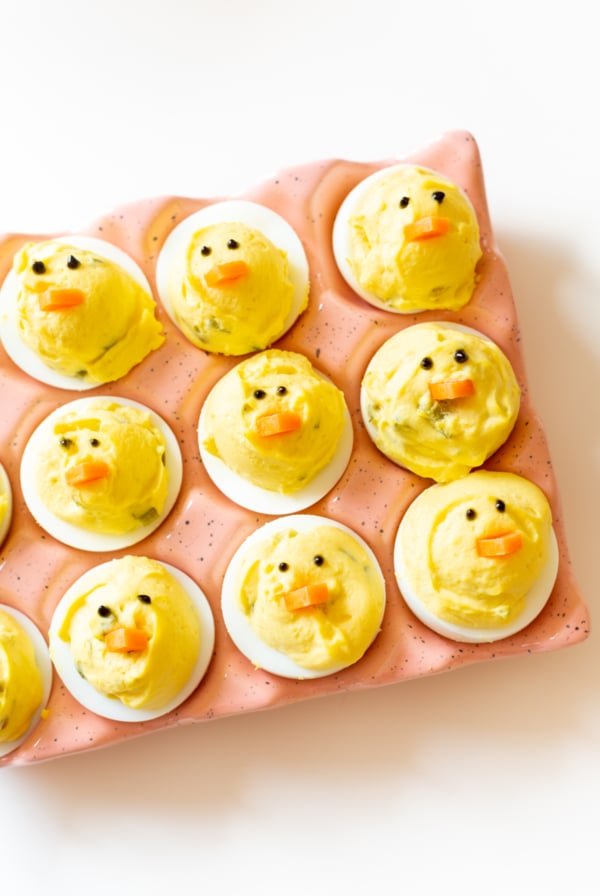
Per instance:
{"type": "Point", "coordinates": [236, 622]}
{"type": "Point", "coordinates": [42, 658]}
{"type": "Point", "coordinates": [24, 356]}
{"type": "Point", "coordinates": [6, 489]}
{"type": "Point", "coordinates": [112, 708]}
{"type": "Point", "coordinates": [171, 260]}
{"type": "Point", "coordinates": [85, 539]}
{"type": "Point", "coordinates": [535, 600]}
{"type": "Point", "coordinates": [262, 500]}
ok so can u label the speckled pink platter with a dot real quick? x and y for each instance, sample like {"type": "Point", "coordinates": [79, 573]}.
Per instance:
{"type": "Point", "coordinates": [339, 333]}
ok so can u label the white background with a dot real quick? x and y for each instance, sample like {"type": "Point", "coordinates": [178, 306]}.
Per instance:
{"type": "Point", "coordinates": [484, 780]}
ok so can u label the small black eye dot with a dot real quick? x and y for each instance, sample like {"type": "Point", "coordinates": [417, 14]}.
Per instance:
{"type": "Point", "coordinates": [205, 250]}
{"type": "Point", "coordinates": [500, 505]}
{"type": "Point", "coordinates": [426, 363]}
{"type": "Point", "coordinates": [283, 566]}
{"type": "Point", "coordinates": [259, 393]}
{"type": "Point", "coordinates": [38, 267]}
{"type": "Point", "coordinates": [104, 611]}
{"type": "Point", "coordinates": [438, 196]}
{"type": "Point", "coordinates": [233, 244]}
{"type": "Point", "coordinates": [470, 514]}
{"type": "Point", "coordinates": [460, 356]}
{"type": "Point", "coordinates": [281, 390]}
{"type": "Point", "coordinates": [145, 598]}
{"type": "Point", "coordinates": [65, 443]}
{"type": "Point", "coordinates": [94, 442]}
{"type": "Point", "coordinates": [73, 262]}
{"type": "Point", "coordinates": [318, 560]}
{"type": "Point", "coordinates": [404, 202]}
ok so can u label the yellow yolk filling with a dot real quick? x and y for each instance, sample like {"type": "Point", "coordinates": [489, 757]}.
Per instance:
{"type": "Point", "coordinates": [21, 686]}
{"type": "Point", "coordinates": [439, 547]}
{"type": "Point", "coordinates": [270, 383]}
{"type": "Point", "coordinates": [110, 329]}
{"type": "Point", "coordinates": [152, 677]}
{"type": "Point", "coordinates": [331, 634]}
{"type": "Point", "coordinates": [414, 274]}
{"type": "Point", "coordinates": [125, 439]}
{"type": "Point", "coordinates": [236, 315]}
{"type": "Point", "coordinates": [441, 440]}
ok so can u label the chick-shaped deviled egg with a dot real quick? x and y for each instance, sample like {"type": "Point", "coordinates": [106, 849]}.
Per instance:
{"type": "Point", "coordinates": [303, 597]}
{"type": "Point", "coordinates": [132, 638]}
{"type": "Point", "coordinates": [439, 399]}
{"type": "Point", "coordinates": [275, 434]}
{"type": "Point", "coordinates": [101, 473]}
{"type": "Point", "coordinates": [25, 677]}
{"type": "Point", "coordinates": [233, 277]}
{"type": "Point", "coordinates": [476, 559]}
{"type": "Point", "coordinates": [77, 313]}
{"type": "Point", "coordinates": [407, 239]}
{"type": "Point", "coordinates": [6, 504]}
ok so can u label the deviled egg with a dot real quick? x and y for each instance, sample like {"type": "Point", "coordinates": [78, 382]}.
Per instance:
{"type": "Point", "coordinates": [233, 277]}
{"type": "Point", "coordinates": [5, 504]}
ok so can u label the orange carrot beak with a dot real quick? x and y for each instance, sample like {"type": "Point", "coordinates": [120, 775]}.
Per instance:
{"type": "Point", "coordinates": [61, 299]}
{"type": "Point", "coordinates": [449, 389]}
{"type": "Point", "coordinates": [125, 640]}
{"type": "Point", "coordinates": [502, 545]}
{"type": "Point", "coordinates": [222, 274]}
{"type": "Point", "coordinates": [277, 424]}
{"type": "Point", "coordinates": [307, 596]}
{"type": "Point", "coordinates": [87, 472]}
{"type": "Point", "coordinates": [426, 229]}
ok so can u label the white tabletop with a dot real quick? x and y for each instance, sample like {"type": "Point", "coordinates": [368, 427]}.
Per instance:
{"type": "Point", "coordinates": [481, 780]}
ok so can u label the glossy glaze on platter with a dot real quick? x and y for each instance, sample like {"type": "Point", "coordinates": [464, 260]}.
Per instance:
{"type": "Point", "coordinates": [339, 332]}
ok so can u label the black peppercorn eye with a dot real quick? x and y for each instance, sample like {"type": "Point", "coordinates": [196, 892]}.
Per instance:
{"type": "Point", "coordinates": [94, 442]}
{"type": "Point", "coordinates": [259, 393]}
{"type": "Point", "coordinates": [460, 356]}
{"type": "Point", "coordinates": [318, 560]}
{"type": "Point", "coordinates": [426, 363]}
{"type": "Point", "coordinates": [65, 443]}
{"type": "Point", "coordinates": [38, 267]}
{"type": "Point", "coordinates": [404, 202]}
{"type": "Point", "coordinates": [283, 566]}
{"type": "Point", "coordinates": [233, 244]}
{"type": "Point", "coordinates": [500, 506]}
{"type": "Point", "coordinates": [470, 514]}
{"type": "Point", "coordinates": [205, 250]}
{"type": "Point", "coordinates": [144, 598]}
{"type": "Point", "coordinates": [104, 611]}
{"type": "Point", "coordinates": [281, 390]}
{"type": "Point", "coordinates": [73, 262]}
{"type": "Point", "coordinates": [438, 196]}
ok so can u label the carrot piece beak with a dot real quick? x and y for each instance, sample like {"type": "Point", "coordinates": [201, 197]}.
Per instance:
{"type": "Point", "coordinates": [449, 389]}
{"type": "Point", "coordinates": [125, 640]}
{"type": "Point", "coordinates": [426, 229]}
{"type": "Point", "coordinates": [277, 424]}
{"type": "Point", "coordinates": [221, 274]}
{"type": "Point", "coordinates": [499, 545]}
{"type": "Point", "coordinates": [61, 299]}
{"type": "Point", "coordinates": [307, 596]}
{"type": "Point", "coordinates": [84, 473]}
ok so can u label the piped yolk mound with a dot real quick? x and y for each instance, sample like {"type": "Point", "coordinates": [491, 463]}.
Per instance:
{"type": "Point", "coordinates": [439, 400]}
{"type": "Point", "coordinates": [473, 548]}
{"type": "Point", "coordinates": [134, 595]}
{"type": "Point", "coordinates": [104, 470]}
{"type": "Point", "coordinates": [414, 241]}
{"type": "Point", "coordinates": [82, 314]}
{"type": "Point", "coordinates": [21, 684]}
{"type": "Point", "coordinates": [274, 420]}
{"type": "Point", "coordinates": [236, 295]}
{"type": "Point", "coordinates": [331, 633]}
